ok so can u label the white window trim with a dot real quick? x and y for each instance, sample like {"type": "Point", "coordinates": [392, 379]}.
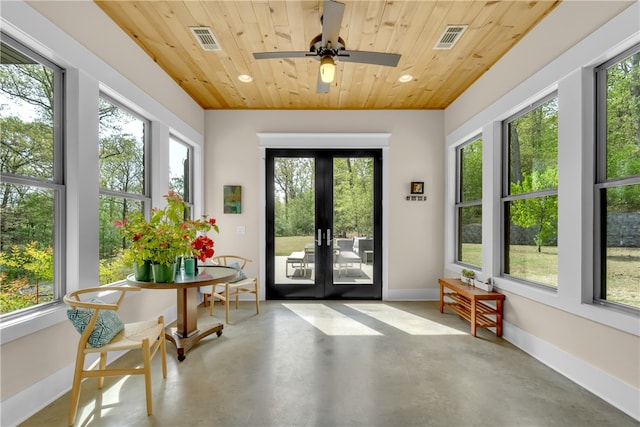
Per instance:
{"type": "Point", "coordinates": [572, 76]}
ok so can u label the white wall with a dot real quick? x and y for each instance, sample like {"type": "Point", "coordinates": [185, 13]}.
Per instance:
{"type": "Point", "coordinates": [415, 240]}
{"type": "Point", "coordinates": [597, 347]}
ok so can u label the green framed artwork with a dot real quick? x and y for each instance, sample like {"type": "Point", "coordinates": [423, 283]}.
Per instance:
{"type": "Point", "coordinates": [232, 199]}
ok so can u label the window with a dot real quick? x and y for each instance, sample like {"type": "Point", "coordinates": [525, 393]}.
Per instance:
{"type": "Point", "coordinates": [469, 203]}
{"type": "Point", "coordinates": [617, 189]}
{"type": "Point", "coordinates": [530, 194]}
{"type": "Point", "coordinates": [180, 171]}
{"type": "Point", "coordinates": [124, 173]}
{"type": "Point", "coordinates": [32, 192]}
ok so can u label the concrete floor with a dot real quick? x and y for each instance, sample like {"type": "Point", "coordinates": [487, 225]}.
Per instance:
{"type": "Point", "coordinates": [339, 363]}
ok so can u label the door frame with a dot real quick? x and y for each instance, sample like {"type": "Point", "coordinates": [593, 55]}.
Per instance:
{"type": "Point", "coordinates": [320, 141]}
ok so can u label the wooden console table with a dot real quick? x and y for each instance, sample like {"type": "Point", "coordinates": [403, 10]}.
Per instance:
{"type": "Point", "coordinates": [186, 333]}
{"type": "Point", "coordinates": [466, 301]}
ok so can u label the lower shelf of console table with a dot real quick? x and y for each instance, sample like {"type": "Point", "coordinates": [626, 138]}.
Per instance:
{"type": "Point", "coordinates": [467, 302]}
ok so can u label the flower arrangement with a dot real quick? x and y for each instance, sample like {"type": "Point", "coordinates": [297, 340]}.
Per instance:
{"type": "Point", "coordinates": [167, 234]}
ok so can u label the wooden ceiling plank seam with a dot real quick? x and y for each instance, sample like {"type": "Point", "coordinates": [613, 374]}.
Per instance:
{"type": "Point", "coordinates": [459, 14]}
{"type": "Point", "coordinates": [183, 40]}
{"type": "Point", "coordinates": [388, 22]}
{"type": "Point", "coordinates": [300, 23]}
{"type": "Point", "coordinates": [470, 44]}
{"type": "Point", "coordinates": [391, 75]}
{"type": "Point", "coordinates": [178, 23]}
{"type": "Point", "coordinates": [370, 27]}
{"type": "Point", "coordinates": [266, 30]}
{"type": "Point", "coordinates": [278, 10]}
{"type": "Point", "coordinates": [442, 15]}
{"type": "Point", "coordinates": [500, 38]}
{"type": "Point", "coordinates": [411, 60]}
{"type": "Point", "coordinates": [219, 15]}
{"type": "Point", "coordinates": [352, 25]}
{"type": "Point", "coordinates": [382, 42]}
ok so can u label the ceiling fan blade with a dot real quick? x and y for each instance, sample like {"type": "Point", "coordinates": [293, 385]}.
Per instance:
{"type": "Point", "coordinates": [272, 55]}
{"type": "Point", "coordinates": [322, 87]}
{"type": "Point", "coordinates": [331, 21]}
{"type": "Point", "coordinates": [377, 58]}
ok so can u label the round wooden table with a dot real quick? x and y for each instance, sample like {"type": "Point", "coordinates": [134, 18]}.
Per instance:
{"type": "Point", "coordinates": [186, 333]}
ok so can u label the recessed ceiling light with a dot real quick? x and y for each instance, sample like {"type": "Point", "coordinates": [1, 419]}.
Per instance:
{"type": "Point", "coordinates": [245, 78]}
{"type": "Point", "coordinates": [405, 78]}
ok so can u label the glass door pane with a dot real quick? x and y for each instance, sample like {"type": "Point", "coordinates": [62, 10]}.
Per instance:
{"type": "Point", "coordinates": [353, 216]}
{"type": "Point", "coordinates": [294, 219]}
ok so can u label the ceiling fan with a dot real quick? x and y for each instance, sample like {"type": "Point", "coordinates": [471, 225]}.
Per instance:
{"type": "Point", "coordinates": [329, 47]}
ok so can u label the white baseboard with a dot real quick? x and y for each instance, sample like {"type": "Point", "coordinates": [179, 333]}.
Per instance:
{"type": "Point", "coordinates": [24, 404]}
{"type": "Point", "coordinates": [412, 295]}
{"type": "Point", "coordinates": [612, 390]}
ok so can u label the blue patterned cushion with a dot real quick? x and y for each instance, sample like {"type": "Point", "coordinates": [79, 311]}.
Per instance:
{"type": "Point", "coordinates": [107, 326]}
{"type": "Point", "coordinates": [240, 276]}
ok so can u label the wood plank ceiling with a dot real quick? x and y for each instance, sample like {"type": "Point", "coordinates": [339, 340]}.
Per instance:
{"type": "Point", "coordinates": [410, 28]}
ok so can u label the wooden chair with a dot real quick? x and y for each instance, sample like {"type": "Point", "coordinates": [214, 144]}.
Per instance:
{"type": "Point", "coordinates": [147, 336]}
{"type": "Point", "coordinates": [224, 291]}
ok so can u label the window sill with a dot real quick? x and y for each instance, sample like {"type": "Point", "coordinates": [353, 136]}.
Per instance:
{"type": "Point", "coordinates": [44, 318]}
{"type": "Point", "coordinates": [33, 322]}
{"type": "Point", "coordinates": [609, 316]}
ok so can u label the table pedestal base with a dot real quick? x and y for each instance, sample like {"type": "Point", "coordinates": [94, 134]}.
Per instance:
{"type": "Point", "coordinates": [183, 344]}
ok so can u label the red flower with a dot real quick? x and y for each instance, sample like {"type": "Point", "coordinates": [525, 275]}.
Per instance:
{"type": "Point", "coordinates": [204, 245]}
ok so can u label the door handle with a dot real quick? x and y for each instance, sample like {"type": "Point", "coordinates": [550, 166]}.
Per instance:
{"type": "Point", "coordinates": [319, 239]}
{"type": "Point", "coordinates": [329, 239]}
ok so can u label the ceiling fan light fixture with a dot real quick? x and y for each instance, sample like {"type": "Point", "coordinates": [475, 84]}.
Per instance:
{"type": "Point", "coordinates": [327, 69]}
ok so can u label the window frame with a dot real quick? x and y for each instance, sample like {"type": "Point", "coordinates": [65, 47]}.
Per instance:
{"type": "Point", "coordinates": [602, 182]}
{"type": "Point", "coordinates": [459, 204]}
{"type": "Point", "coordinates": [145, 196]}
{"type": "Point", "coordinates": [57, 184]}
{"type": "Point", "coordinates": [188, 179]}
{"type": "Point", "coordinates": [506, 197]}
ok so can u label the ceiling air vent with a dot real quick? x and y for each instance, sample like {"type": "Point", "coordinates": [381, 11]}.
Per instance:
{"type": "Point", "coordinates": [205, 37]}
{"type": "Point", "coordinates": [450, 36]}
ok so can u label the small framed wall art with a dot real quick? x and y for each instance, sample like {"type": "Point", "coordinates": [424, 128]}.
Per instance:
{"type": "Point", "coordinates": [232, 199]}
{"type": "Point", "coordinates": [417, 187]}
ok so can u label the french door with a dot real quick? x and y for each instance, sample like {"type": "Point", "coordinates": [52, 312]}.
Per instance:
{"type": "Point", "coordinates": [324, 224]}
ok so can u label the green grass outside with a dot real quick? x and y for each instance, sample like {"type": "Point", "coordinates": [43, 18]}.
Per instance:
{"type": "Point", "coordinates": [288, 244]}
{"type": "Point", "coordinates": [623, 281]}
{"type": "Point", "coordinates": [623, 271]}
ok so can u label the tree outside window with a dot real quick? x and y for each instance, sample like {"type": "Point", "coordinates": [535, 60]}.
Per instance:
{"type": "Point", "coordinates": [469, 203]}
{"type": "Point", "coordinates": [617, 190]}
{"type": "Point", "coordinates": [123, 168]}
{"type": "Point", "coordinates": [180, 172]}
{"type": "Point", "coordinates": [31, 189]}
{"type": "Point", "coordinates": [530, 195]}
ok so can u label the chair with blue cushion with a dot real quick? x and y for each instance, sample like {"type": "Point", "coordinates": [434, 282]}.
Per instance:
{"type": "Point", "coordinates": [101, 331]}
{"type": "Point", "coordinates": [241, 284]}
